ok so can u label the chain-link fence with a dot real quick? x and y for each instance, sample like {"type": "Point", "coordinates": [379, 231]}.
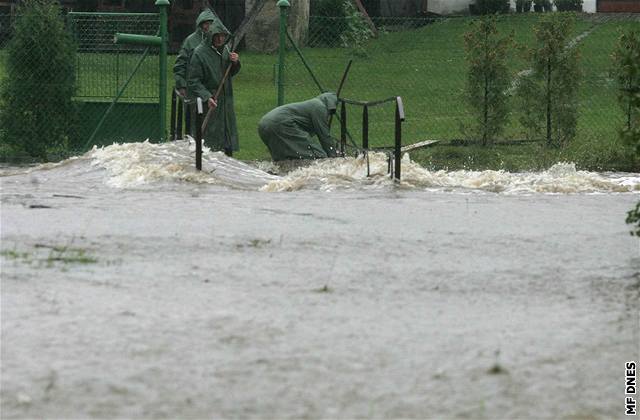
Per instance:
{"type": "Point", "coordinates": [107, 71]}
{"type": "Point", "coordinates": [423, 61]}
{"type": "Point", "coordinates": [115, 96]}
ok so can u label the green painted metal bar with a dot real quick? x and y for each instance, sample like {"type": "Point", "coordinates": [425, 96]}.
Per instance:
{"type": "Point", "coordinates": [163, 5]}
{"type": "Point", "coordinates": [115, 100]}
{"type": "Point", "coordinates": [135, 39]}
{"type": "Point", "coordinates": [109, 14]}
{"type": "Point", "coordinates": [304, 61]}
{"type": "Point", "coordinates": [283, 5]}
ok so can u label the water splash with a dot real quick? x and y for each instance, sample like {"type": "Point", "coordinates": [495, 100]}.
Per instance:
{"type": "Point", "coordinates": [143, 165]}
{"type": "Point", "coordinates": [352, 172]}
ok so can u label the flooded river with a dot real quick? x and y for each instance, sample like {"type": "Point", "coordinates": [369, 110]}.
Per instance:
{"type": "Point", "coordinates": [135, 287]}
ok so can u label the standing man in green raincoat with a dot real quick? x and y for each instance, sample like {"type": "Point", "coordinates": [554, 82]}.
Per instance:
{"type": "Point", "coordinates": [203, 22]}
{"type": "Point", "coordinates": [207, 67]}
{"type": "Point", "coordinates": [288, 131]}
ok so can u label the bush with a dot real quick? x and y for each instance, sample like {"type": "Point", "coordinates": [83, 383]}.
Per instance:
{"type": "Point", "coordinates": [490, 7]}
{"type": "Point", "coordinates": [349, 30]}
{"type": "Point", "coordinates": [568, 5]}
{"type": "Point", "coordinates": [626, 60]}
{"type": "Point", "coordinates": [542, 5]}
{"type": "Point", "coordinates": [549, 96]}
{"type": "Point", "coordinates": [328, 8]}
{"type": "Point", "coordinates": [488, 79]}
{"type": "Point", "coordinates": [523, 6]}
{"type": "Point", "coordinates": [37, 113]}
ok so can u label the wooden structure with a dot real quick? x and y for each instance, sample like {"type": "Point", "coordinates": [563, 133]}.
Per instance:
{"type": "Point", "coordinates": [618, 6]}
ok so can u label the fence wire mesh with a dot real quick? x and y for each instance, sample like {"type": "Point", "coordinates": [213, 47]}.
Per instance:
{"type": "Point", "coordinates": [106, 70]}
{"type": "Point", "coordinates": [423, 61]}
{"type": "Point", "coordinates": [103, 71]}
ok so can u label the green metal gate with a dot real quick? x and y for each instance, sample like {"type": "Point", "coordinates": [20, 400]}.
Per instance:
{"type": "Point", "coordinates": [117, 84]}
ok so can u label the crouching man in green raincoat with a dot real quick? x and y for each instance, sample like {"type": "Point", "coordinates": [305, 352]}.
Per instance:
{"type": "Point", "coordinates": [288, 130]}
{"type": "Point", "coordinates": [206, 70]}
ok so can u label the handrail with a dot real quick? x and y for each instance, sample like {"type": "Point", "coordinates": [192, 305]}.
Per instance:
{"type": "Point", "coordinates": [395, 169]}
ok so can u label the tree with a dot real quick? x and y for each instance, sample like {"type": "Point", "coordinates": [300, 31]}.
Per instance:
{"type": "Point", "coordinates": [626, 59]}
{"type": "Point", "coordinates": [488, 78]}
{"type": "Point", "coordinates": [549, 95]}
{"type": "Point", "coordinates": [37, 113]}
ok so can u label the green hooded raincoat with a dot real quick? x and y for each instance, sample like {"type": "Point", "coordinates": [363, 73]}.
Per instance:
{"type": "Point", "coordinates": [288, 130]}
{"type": "Point", "coordinates": [206, 70]}
{"type": "Point", "coordinates": [190, 44]}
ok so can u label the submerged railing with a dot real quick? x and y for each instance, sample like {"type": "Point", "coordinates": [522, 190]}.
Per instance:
{"type": "Point", "coordinates": [393, 152]}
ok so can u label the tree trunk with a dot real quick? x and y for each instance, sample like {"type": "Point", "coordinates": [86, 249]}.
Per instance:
{"type": "Point", "coordinates": [263, 36]}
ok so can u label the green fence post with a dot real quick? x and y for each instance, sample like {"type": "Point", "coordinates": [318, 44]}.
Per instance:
{"type": "Point", "coordinates": [163, 5]}
{"type": "Point", "coordinates": [283, 5]}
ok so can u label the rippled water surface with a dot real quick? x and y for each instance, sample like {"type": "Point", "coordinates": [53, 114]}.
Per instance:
{"type": "Point", "coordinates": [134, 286]}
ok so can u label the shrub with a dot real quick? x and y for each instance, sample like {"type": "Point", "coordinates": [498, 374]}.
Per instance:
{"type": "Point", "coordinates": [626, 60]}
{"type": "Point", "coordinates": [568, 5]}
{"type": "Point", "coordinates": [549, 95]}
{"type": "Point", "coordinates": [542, 5]}
{"type": "Point", "coordinates": [488, 79]}
{"type": "Point", "coordinates": [523, 6]}
{"type": "Point", "coordinates": [37, 113]}
{"type": "Point", "coordinates": [489, 7]}
{"type": "Point", "coordinates": [328, 8]}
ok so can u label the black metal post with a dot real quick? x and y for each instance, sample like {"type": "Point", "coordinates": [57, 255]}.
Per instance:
{"type": "Point", "coordinates": [172, 128]}
{"type": "Point", "coordinates": [343, 127]}
{"type": "Point", "coordinates": [187, 120]}
{"type": "Point", "coordinates": [180, 120]}
{"type": "Point", "coordinates": [365, 127]}
{"type": "Point", "coordinates": [198, 136]}
{"type": "Point", "coordinates": [398, 145]}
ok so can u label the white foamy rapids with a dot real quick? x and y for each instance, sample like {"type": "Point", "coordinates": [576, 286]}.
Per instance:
{"type": "Point", "coordinates": [562, 178]}
{"type": "Point", "coordinates": [136, 164]}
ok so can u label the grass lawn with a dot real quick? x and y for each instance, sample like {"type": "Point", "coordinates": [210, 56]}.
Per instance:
{"type": "Point", "coordinates": [426, 66]}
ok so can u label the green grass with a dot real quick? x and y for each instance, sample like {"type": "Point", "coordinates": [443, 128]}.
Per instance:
{"type": "Point", "coordinates": [426, 66]}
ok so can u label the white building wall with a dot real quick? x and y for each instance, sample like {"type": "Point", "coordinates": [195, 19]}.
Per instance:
{"type": "Point", "coordinates": [445, 7]}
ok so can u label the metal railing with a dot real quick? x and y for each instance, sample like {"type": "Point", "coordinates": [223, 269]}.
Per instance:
{"type": "Point", "coordinates": [393, 152]}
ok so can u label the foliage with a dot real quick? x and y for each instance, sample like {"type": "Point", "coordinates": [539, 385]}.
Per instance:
{"type": "Point", "coordinates": [346, 26]}
{"type": "Point", "coordinates": [633, 218]}
{"type": "Point", "coordinates": [490, 7]}
{"type": "Point", "coordinates": [523, 6]}
{"type": "Point", "coordinates": [626, 60]}
{"type": "Point", "coordinates": [568, 5]}
{"type": "Point", "coordinates": [488, 79]}
{"type": "Point", "coordinates": [357, 32]}
{"type": "Point", "coordinates": [329, 8]}
{"type": "Point", "coordinates": [549, 95]}
{"type": "Point", "coordinates": [543, 5]}
{"type": "Point", "coordinates": [37, 113]}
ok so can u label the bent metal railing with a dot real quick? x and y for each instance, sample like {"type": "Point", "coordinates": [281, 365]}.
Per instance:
{"type": "Point", "coordinates": [180, 116]}
{"type": "Point", "coordinates": [393, 152]}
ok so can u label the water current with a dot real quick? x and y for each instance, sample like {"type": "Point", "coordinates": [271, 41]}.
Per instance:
{"type": "Point", "coordinates": [134, 286]}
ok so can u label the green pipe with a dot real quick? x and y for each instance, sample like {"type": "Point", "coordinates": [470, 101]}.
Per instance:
{"type": "Point", "coordinates": [283, 5]}
{"type": "Point", "coordinates": [135, 39]}
{"type": "Point", "coordinates": [163, 5]}
{"type": "Point", "coordinates": [109, 14]}
{"type": "Point", "coordinates": [304, 61]}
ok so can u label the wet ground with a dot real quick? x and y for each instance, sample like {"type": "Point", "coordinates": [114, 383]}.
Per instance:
{"type": "Point", "coordinates": [134, 287]}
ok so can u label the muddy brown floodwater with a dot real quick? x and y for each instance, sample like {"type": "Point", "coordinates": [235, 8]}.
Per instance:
{"type": "Point", "coordinates": [134, 287]}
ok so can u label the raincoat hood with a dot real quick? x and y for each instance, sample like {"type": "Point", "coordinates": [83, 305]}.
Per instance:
{"type": "Point", "coordinates": [216, 27]}
{"type": "Point", "coordinates": [330, 100]}
{"type": "Point", "coordinates": [206, 15]}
